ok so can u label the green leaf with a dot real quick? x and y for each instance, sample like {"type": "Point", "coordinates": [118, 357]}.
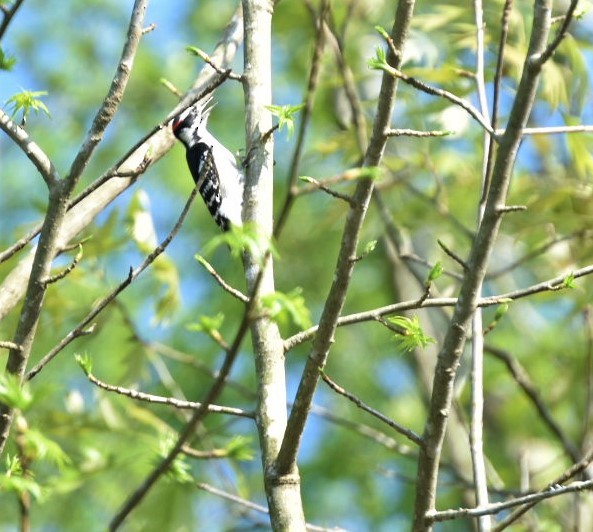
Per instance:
{"type": "Point", "coordinates": [42, 448]}
{"type": "Point", "coordinates": [568, 281]}
{"type": "Point", "coordinates": [85, 362]}
{"type": "Point", "coordinates": [501, 310]}
{"type": "Point", "coordinates": [209, 325]}
{"type": "Point", "coordinates": [285, 114]}
{"type": "Point", "coordinates": [14, 481]}
{"type": "Point", "coordinates": [238, 239]}
{"type": "Point", "coordinates": [379, 62]}
{"type": "Point", "coordinates": [13, 394]}
{"type": "Point", "coordinates": [27, 101]}
{"type": "Point", "coordinates": [194, 50]}
{"type": "Point", "coordinates": [382, 31]}
{"type": "Point", "coordinates": [239, 448]}
{"type": "Point", "coordinates": [284, 307]}
{"type": "Point", "coordinates": [435, 272]}
{"type": "Point", "coordinates": [7, 62]}
{"type": "Point", "coordinates": [179, 471]}
{"type": "Point", "coordinates": [412, 335]}
{"type": "Point", "coordinates": [369, 247]}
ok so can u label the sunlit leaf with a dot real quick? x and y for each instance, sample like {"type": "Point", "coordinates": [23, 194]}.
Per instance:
{"type": "Point", "coordinates": [288, 307]}
{"type": "Point", "coordinates": [411, 336]}
{"type": "Point", "coordinates": [27, 101]}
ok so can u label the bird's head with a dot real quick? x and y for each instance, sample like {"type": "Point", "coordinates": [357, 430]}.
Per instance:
{"type": "Point", "coordinates": [190, 125]}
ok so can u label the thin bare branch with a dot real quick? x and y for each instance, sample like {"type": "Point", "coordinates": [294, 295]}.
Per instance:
{"type": "Point", "coordinates": [571, 472]}
{"type": "Point", "coordinates": [522, 379]}
{"type": "Point", "coordinates": [560, 34]}
{"type": "Point", "coordinates": [84, 325]}
{"type": "Point", "coordinates": [334, 193]}
{"type": "Point", "coordinates": [227, 287]}
{"type": "Point", "coordinates": [35, 154]}
{"type": "Point", "coordinates": [215, 390]}
{"type": "Point", "coordinates": [9, 345]}
{"type": "Point", "coordinates": [435, 91]}
{"type": "Point", "coordinates": [434, 516]}
{"type": "Point", "coordinates": [343, 271]}
{"type": "Point", "coordinates": [8, 14]}
{"type": "Point", "coordinates": [415, 133]}
{"type": "Point", "coordinates": [311, 90]}
{"type": "Point", "coordinates": [552, 285]}
{"type": "Point", "coordinates": [207, 59]}
{"type": "Point", "coordinates": [255, 507]}
{"type": "Point", "coordinates": [584, 233]}
{"type": "Point", "coordinates": [410, 434]}
{"type": "Point", "coordinates": [67, 270]}
{"type": "Point", "coordinates": [115, 94]}
{"type": "Point", "coordinates": [171, 401]}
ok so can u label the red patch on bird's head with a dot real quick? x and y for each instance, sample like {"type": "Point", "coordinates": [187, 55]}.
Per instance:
{"type": "Point", "coordinates": [177, 121]}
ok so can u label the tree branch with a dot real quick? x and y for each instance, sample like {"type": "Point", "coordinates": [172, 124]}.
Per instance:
{"type": "Point", "coordinates": [452, 348]}
{"type": "Point", "coordinates": [8, 14]}
{"type": "Point", "coordinates": [83, 327]}
{"type": "Point", "coordinates": [345, 264]}
{"type": "Point", "coordinates": [35, 154]}
{"type": "Point", "coordinates": [171, 401]}
{"type": "Point", "coordinates": [410, 434]}
{"type": "Point", "coordinates": [114, 96]}
{"type": "Point", "coordinates": [491, 509]}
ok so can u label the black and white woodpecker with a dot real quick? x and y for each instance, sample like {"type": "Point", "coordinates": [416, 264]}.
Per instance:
{"type": "Point", "coordinates": [219, 179]}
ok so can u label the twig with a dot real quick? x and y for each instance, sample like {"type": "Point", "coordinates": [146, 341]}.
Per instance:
{"type": "Point", "coordinates": [476, 429]}
{"type": "Point", "coordinates": [20, 243]}
{"type": "Point", "coordinates": [410, 434]}
{"type": "Point", "coordinates": [8, 14]}
{"type": "Point", "coordinates": [583, 233]}
{"type": "Point", "coordinates": [551, 285]}
{"type": "Point", "coordinates": [504, 24]}
{"type": "Point", "coordinates": [336, 40]}
{"type": "Point", "coordinates": [435, 91]}
{"type": "Point", "coordinates": [35, 154]}
{"type": "Point", "coordinates": [415, 133]}
{"type": "Point", "coordinates": [349, 243]}
{"type": "Point", "coordinates": [571, 472]}
{"type": "Point", "coordinates": [253, 506]}
{"type": "Point", "coordinates": [522, 379]}
{"type": "Point", "coordinates": [59, 276]}
{"type": "Point", "coordinates": [9, 345]}
{"type": "Point", "coordinates": [452, 254]}
{"type": "Point", "coordinates": [553, 130]}
{"type": "Point", "coordinates": [227, 287]}
{"type": "Point", "coordinates": [319, 185]}
{"type": "Point", "coordinates": [588, 326]}
{"type": "Point", "coordinates": [433, 516]}
{"type": "Point", "coordinates": [151, 27]}
{"type": "Point", "coordinates": [205, 455]}
{"type": "Point", "coordinates": [216, 388]}
{"type": "Point", "coordinates": [158, 399]}
{"type": "Point", "coordinates": [82, 327]}
{"type": "Point", "coordinates": [207, 59]}
{"type": "Point", "coordinates": [311, 90]}
{"type": "Point", "coordinates": [560, 34]}
{"type": "Point", "coordinates": [114, 96]}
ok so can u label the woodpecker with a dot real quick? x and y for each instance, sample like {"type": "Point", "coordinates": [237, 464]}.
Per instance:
{"type": "Point", "coordinates": [213, 167]}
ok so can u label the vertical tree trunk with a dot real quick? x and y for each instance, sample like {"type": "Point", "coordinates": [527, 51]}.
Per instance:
{"type": "Point", "coordinates": [282, 491]}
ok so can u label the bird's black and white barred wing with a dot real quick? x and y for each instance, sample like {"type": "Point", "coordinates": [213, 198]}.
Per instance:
{"type": "Point", "coordinates": [201, 163]}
